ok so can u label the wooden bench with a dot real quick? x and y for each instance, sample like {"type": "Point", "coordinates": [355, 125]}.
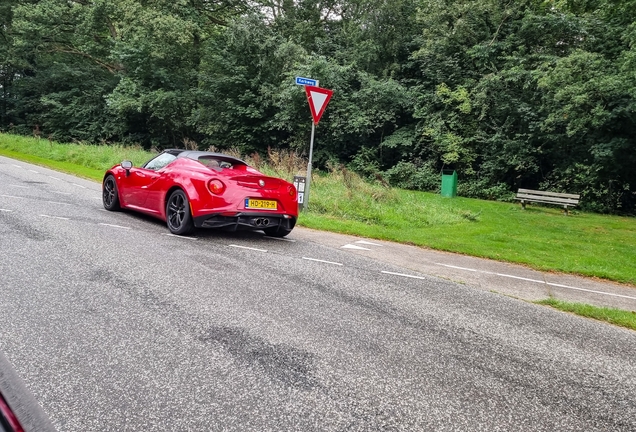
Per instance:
{"type": "Point", "coordinates": [563, 199]}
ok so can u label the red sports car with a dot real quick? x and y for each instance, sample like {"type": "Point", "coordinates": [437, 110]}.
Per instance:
{"type": "Point", "coordinates": [193, 189]}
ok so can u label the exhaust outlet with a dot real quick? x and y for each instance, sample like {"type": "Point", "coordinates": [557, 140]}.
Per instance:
{"type": "Point", "coordinates": [261, 222]}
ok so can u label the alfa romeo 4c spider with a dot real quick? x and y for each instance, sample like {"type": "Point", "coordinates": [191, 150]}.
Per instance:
{"type": "Point", "coordinates": [196, 189]}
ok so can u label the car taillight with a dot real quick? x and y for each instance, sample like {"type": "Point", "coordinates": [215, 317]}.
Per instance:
{"type": "Point", "coordinates": [216, 187]}
{"type": "Point", "coordinates": [291, 190]}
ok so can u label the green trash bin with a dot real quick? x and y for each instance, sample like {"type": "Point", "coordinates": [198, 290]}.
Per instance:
{"type": "Point", "coordinates": [449, 183]}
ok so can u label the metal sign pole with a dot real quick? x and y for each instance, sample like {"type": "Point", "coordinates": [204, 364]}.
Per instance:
{"type": "Point", "coordinates": [311, 154]}
{"type": "Point", "coordinates": [318, 99]}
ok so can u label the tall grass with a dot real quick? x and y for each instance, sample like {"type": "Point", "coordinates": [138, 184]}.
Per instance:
{"type": "Point", "coordinates": [343, 195]}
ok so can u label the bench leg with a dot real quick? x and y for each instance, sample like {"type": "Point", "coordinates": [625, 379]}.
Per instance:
{"type": "Point", "coordinates": [523, 204]}
{"type": "Point", "coordinates": [565, 210]}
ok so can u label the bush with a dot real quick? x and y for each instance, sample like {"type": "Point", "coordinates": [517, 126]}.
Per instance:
{"type": "Point", "coordinates": [407, 175]}
{"type": "Point", "coordinates": [597, 194]}
{"type": "Point", "coordinates": [483, 190]}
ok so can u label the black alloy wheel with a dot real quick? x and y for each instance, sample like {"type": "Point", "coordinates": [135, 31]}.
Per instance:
{"type": "Point", "coordinates": [110, 195]}
{"type": "Point", "coordinates": [178, 216]}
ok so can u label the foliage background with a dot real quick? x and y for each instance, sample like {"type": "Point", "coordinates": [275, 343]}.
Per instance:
{"type": "Point", "coordinates": [536, 94]}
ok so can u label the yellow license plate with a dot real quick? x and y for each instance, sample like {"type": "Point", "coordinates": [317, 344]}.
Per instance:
{"type": "Point", "coordinates": [260, 204]}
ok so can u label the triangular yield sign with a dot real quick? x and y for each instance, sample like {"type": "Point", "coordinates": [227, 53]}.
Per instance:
{"type": "Point", "coordinates": [318, 99]}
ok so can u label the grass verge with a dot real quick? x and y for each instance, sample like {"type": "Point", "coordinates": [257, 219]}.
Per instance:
{"type": "Point", "coordinates": [539, 237]}
{"type": "Point", "coordinates": [613, 316]}
{"type": "Point", "coordinates": [88, 161]}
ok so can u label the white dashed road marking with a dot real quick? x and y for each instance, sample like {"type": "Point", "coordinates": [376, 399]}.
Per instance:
{"type": "Point", "coordinates": [368, 243]}
{"type": "Point", "coordinates": [354, 247]}
{"type": "Point", "coordinates": [280, 239]}
{"type": "Point", "coordinates": [460, 268]}
{"type": "Point", "coordinates": [249, 248]}
{"type": "Point", "coordinates": [181, 237]}
{"type": "Point", "coordinates": [322, 261]}
{"type": "Point", "coordinates": [347, 246]}
{"type": "Point", "coordinates": [404, 275]}
{"type": "Point", "coordinates": [54, 217]}
{"type": "Point", "coordinates": [538, 281]}
{"type": "Point", "coordinates": [590, 291]}
{"type": "Point", "coordinates": [114, 226]}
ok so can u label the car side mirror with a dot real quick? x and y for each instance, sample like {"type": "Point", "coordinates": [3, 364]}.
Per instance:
{"type": "Point", "coordinates": [127, 165]}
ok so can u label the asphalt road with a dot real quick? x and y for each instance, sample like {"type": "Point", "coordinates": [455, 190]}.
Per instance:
{"type": "Point", "coordinates": [115, 325]}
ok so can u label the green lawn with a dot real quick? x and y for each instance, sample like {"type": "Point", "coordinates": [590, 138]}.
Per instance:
{"type": "Point", "coordinates": [613, 316]}
{"type": "Point", "coordinates": [540, 237]}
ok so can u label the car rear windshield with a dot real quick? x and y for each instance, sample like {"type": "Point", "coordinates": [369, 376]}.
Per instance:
{"type": "Point", "coordinates": [218, 162]}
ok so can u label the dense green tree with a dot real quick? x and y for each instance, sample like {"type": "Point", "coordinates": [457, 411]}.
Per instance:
{"type": "Point", "coordinates": [249, 98]}
{"type": "Point", "coordinates": [527, 94]}
{"type": "Point", "coordinates": [63, 49]}
{"type": "Point", "coordinates": [515, 93]}
{"type": "Point", "coordinates": [9, 64]}
{"type": "Point", "coordinates": [6, 18]}
{"type": "Point", "coordinates": [112, 69]}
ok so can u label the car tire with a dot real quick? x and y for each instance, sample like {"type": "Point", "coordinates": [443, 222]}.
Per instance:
{"type": "Point", "coordinates": [178, 215]}
{"type": "Point", "coordinates": [110, 194]}
{"type": "Point", "coordinates": [277, 232]}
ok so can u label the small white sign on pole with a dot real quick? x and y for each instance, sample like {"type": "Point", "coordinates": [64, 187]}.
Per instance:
{"type": "Point", "coordinates": [306, 81]}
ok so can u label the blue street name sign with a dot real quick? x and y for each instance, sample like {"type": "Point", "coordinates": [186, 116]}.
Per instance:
{"type": "Point", "coordinates": [306, 81]}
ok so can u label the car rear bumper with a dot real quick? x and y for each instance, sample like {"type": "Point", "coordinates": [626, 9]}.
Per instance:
{"type": "Point", "coordinates": [246, 220]}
